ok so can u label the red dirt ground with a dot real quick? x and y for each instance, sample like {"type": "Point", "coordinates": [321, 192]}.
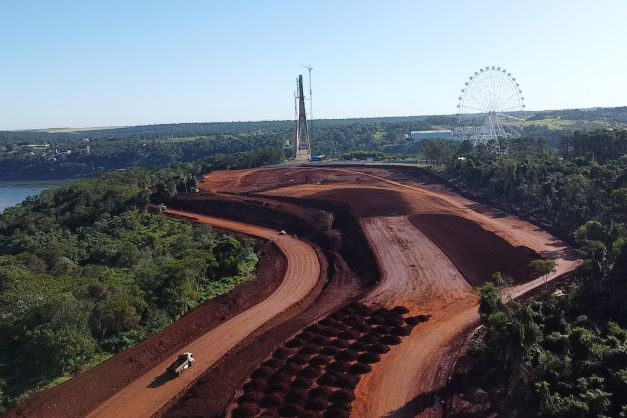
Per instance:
{"type": "Point", "coordinates": [78, 395]}
{"type": "Point", "coordinates": [423, 243]}
{"type": "Point", "coordinates": [468, 245]}
{"type": "Point", "coordinates": [148, 393]}
{"type": "Point", "coordinates": [411, 366]}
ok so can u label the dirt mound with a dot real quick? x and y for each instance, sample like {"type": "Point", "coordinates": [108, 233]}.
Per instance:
{"type": "Point", "coordinates": [368, 201]}
{"type": "Point", "coordinates": [477, 253]}
{"type": "Point", "coordinates": [330, 380]}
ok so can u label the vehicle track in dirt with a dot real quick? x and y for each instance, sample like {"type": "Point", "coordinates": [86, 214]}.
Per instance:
{"type": "Point", "coordinates": [418, 231]}
{"type": "Point", "coordinates": [408, 380]}
{"type": "Point", "coordinates": [149, 393]}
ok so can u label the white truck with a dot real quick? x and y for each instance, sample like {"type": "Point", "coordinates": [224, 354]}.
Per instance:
{"type": "Point", "coordinates": [182, 363]}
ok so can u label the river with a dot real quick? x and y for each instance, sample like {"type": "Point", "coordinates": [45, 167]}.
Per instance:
{"type": "Point", "coordinates": [13, 192]}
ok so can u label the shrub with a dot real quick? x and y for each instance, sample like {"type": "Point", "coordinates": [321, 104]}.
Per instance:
{"type": "Point", "coordinates": [306, 335]}
{"type": "Point", "coordinates": [317, 404]}
{"type": "Point", "coordinates": [281, 353]}
{"type": "Point", "coordinates": [295, 343]}
{"type": "Point", "coordinates": [361, 326]}
{"type": "Point", "coordinates": [359, 368]}
{"type": "Point", "coordinates": [273, 399]}
{"type": "Point", "coordinates": [256, 385]}
{"type": "Point", "coordinates": [358, 346]}
{"type": "Point", "coordinates": [245, 411]}
{"type": "Point", "coordinates": [290, 369]}
{"type": "Point", "coordinates": [297, 359]}
{"type": "Point", "coordinates": [329, 332]}
{"type": "Point", "coordinates": [250, 397]}
{"type": "Point", "coordinates": [346, 355]}
{"type": "Point", "coordinates": [297, 396]}
{"type": "Point", "coordinates": [302, 383]}
{"type": "Point", "coordinates": [329, 351]}
{"type": "Point", "coordinates": [358, 307]}
{"type": "Point", "coordinates": [339, 342]}
{"type": "Point", "coordinates": [335, 411]}
{"type": "Point", "coordinates": [315, 328]}
{"type": "Point", "coordinates": [310, 372]}
{"type": "Point", "coordinates": [342, 396]}
{"type": "Point", "coordinates": [349, 334]}
{"type": "Point", "coordinates": [320, 360]}
{"type": "Point", "coordinates": [347, 381]}
{"type": "Point", "coordinates": [329, 322]}
{"type": "Point", "coordinates": [400, 310]}
{"type": "Point", "coordinates": [278, 388]}
{"type": "Point", "coordinates": [291, 410]}
{"type": "Point", "coordinates": [370, 338]}
{"type": "Point", "coordinates": [394, 321]}
{"type": "Point", "coordinates": [415, 320]}
{"type": "Point", "coordinates": [320, 392]}
{"type": "Point", "coordinates": [376, 320]}
{"type": "Point", "coordinates": [391, 340]}
{"type": "Point", "coordinates": [338, 366]}
{"type": "Point", "coordinates": [328, 379]}
{"type": "Point", "coordinates": [273, 363]}
{"type": "Point", "coordinates": [338, 316]}
{"type": "Point", "coordinates": [278, 378]}
{"type": "Point", "coordinates": [401, 331]}
{"type": "Point", "coordinates": [310, 349]}
{"type": "Point", "coordinates": [320, 340]}
{"type": "Point", "coordinates": [262, 372]}
{"type": "Point", "coordinates": [369, 358]}
{"type": "Point", "coordinates": [383, 330]}
{"type": "Point", "coordinates": [378, 348]}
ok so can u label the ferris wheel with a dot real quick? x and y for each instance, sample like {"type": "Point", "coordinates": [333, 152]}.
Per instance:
{"type": "Point", "coordinates": [489, 106]}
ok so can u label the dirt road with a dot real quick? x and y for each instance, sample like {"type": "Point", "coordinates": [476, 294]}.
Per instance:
{"type": "Point", "coordinates": [153, 390]}
{"type": "Point", "coordinates": [417, 270]}
{"type": "Point", "coordinates": [417, 274]}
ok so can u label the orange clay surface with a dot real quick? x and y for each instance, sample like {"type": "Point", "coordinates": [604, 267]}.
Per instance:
{"type": "Point", "coordinates": [146, 395]}
{"type": "Point", "coordinates": [415, 272]}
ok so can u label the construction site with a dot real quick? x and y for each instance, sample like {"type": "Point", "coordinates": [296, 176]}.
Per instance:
{"type": "Point", "coordinates": [360, 309]}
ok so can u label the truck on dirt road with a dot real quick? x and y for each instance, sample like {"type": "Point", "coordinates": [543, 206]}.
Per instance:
{"type": "Point", "coordinates": [182, 363]}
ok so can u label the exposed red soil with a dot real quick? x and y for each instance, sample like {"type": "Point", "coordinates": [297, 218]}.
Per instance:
{"type": "Point", "coordinates": [212, 393]}
{"type": "Point", "coordinates": [78, 395]}
{"type": "Point", "coordinates": [323, 384]}
{"type": "Point", "coordinates": [423, 245]}
{"type": "Point", "coordinates": [150, 392]}
{"type": "Point", "coordinates": [468, 246]}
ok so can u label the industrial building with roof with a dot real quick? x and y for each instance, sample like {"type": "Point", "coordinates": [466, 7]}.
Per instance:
{"type": "Point", "coordinates": [417, 136]}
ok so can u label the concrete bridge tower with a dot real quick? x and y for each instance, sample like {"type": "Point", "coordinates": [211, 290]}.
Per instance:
{"type": "Point", "coordinates": [302, 141]}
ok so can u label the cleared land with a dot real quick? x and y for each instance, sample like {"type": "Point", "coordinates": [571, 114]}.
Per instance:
{"type": "Point", "coordinates": [391, 237]}
{"type": "Point", "coordinates": [146, 395]}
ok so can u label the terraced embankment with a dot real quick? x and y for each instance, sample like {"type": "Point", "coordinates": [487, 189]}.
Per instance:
{"type": "Point", "coordinates": [390, 237]}
{"type": "Point", "coordinates": [149, 393]}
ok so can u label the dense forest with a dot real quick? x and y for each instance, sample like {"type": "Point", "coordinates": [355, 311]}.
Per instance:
{"type": "Point", "coordinates": [86, 271]}
{"type": "Point", "coordinates": [563, 354]}
{"type": "Point", "coordinates": [28, 155]}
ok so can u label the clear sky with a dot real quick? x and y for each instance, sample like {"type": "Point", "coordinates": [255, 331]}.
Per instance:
{"type": "Point", "coordinates": [103, 63]}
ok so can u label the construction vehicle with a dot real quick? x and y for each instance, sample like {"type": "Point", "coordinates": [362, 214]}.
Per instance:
{"type": "Point", "coordinates": [182, 363]}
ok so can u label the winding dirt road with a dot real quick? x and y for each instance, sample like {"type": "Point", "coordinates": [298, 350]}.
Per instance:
{"type": "Point", "coordinates": [146, 395]}
{"type": "Point", "coordinates": [415, 272]}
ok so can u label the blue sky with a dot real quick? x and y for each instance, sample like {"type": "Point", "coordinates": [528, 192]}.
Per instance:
{"type": "Point", "coordinates": [102, 63]}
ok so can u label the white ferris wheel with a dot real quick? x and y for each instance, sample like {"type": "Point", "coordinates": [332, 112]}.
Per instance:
{"type": "Point", "coordinates": [490, 106]}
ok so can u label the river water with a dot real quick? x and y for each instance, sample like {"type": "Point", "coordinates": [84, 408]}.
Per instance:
{"type": "Point", "coordinates": [13, 192]}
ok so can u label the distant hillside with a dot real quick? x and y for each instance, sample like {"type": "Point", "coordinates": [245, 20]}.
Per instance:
{"type": "Point", "coordinates": [66, 153]}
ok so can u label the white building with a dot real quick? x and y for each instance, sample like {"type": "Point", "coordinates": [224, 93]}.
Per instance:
{"type": "Point", "coordinates": [418, 136]}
